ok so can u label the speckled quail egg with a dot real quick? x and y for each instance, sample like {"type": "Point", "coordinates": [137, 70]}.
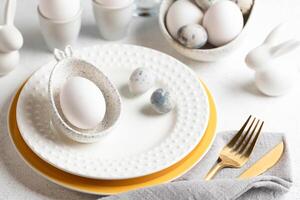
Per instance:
{"type": "Point", "coordinates": [141, 80]}
{"type": "Point", "coordinates": [192, 36]}
{"type": "Point", "coordinates": [162, 101]}
{"type": "Point", "coordinates": [205, 4]}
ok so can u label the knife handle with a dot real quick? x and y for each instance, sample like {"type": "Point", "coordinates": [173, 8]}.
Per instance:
{"type": "Point", "coordinates": [213, 171]}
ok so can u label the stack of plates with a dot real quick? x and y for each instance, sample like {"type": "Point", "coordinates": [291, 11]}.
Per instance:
{"type": "Point", "coordinates": [145, 149]}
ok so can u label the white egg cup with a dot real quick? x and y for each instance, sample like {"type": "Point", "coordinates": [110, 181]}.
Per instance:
{"type": "Point", "coordinates": [60, 33]}
{"type": "Point", "coordinates": [67, 67]}
{"type": "Point", "coordinates": [113, 22]}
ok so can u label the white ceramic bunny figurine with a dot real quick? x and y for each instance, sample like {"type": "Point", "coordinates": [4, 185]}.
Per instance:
{"type": "Point", "coordinates": [11, 40]}
{"type": "Point", "coordinates": [273, 77]}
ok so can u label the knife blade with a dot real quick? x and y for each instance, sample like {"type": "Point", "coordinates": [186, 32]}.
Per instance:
{"type": "Point", "coordinates": [265, 163]}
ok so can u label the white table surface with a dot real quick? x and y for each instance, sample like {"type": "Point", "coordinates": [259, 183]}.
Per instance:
{"type": "Point", "coordinates": [230, 81]}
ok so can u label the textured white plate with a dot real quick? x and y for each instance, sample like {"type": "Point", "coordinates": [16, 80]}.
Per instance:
{"type": "Point", "coordinates": [143, 142]}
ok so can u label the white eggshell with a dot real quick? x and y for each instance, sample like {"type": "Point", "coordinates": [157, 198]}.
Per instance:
{"type": "Point", "coordinates": [276, 81]}
{"type": "Point", "coordinates": [59, 9]}
{"type": "Point", "coordinates": [181, 13]}
{"type": "Point", "coordinates": [82, 103]}
{"type": "Point", "coordinates": [114, 3]}
{"type": "Point", "coordinates": [141, 80]}
{"type": "Point", "coordinates": [223, 22]}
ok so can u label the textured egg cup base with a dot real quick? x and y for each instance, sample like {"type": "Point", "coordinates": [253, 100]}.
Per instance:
{"type": "Point", "coordinates": [72, 67]}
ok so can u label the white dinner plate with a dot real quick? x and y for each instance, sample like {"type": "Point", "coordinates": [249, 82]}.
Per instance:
{"type": "Point", "coordinates": [143, 142]}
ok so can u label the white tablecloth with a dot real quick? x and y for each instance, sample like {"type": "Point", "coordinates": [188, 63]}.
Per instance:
{"type": "Point", "coordinates": [230, 81]}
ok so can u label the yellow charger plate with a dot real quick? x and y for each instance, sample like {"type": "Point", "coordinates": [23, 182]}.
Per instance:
{"type": "Point", "coordinates": [95, 186]}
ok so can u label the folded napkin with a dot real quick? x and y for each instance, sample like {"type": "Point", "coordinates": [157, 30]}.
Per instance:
{"type": "Point", "coordinates": [191, 186]}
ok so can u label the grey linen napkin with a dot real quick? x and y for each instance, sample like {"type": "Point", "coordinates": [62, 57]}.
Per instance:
{"type": "Point", "coordinates": [270, 185]}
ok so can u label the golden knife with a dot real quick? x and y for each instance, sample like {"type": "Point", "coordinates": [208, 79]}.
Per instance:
{"type": "Point", "coordinates": [265, 163]}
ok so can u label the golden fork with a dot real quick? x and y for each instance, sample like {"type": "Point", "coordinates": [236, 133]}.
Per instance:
{"type": "Point", "coordinates": [237, 152]}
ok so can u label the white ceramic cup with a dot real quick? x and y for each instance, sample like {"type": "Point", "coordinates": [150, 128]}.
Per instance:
{"type": "Point", "coordinates": [113, 22]}
{"type": "Point", "coordinates": [60, 33]}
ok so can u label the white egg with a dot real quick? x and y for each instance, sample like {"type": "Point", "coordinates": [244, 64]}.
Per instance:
{"type": "Point", "coordinates": [141, 80]}
{"type": "Point", "coordinates": [82, 103]}
{"type": "Point", "coordinates": [223, 21]}
{"type": "Point", "coordinates": [181, 13]}
{"type": "Point", "coordinates": [59, 9]}
{"type": "Point", "coordinates": [114, 3]}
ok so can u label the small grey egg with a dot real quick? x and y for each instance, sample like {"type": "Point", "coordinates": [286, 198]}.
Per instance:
{"type": "Point", "coordinates": [192, 36]}
{"type": "Point", "coordinates": [205, 4]}
{"type": "Point", "coordinates": [161, 101]}
{"type": "Point", "coordinates": [141, 80]}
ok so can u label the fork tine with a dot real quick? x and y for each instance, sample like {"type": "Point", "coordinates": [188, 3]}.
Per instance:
{"type": "Point", "coordinates": [245, 144]}
{"type": "Point", "coordinates": [241, 142]}
{"type": "Point", "coordinates": [250, 149]}
{"type": "Point", "coordinates": [237, 136]}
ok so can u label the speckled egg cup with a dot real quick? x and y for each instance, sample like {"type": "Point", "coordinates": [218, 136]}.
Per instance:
{"type": "Point", "coordinates": [209, 53]}
{"type": "Point", "coordinates": [67, 67]}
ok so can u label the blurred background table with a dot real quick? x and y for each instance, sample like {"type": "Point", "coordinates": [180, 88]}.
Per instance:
{"type": "Point", "coordinates": [230, 82]}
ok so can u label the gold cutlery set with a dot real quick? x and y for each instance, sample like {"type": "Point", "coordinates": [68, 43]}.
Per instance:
{"type": "Point", "coordinates": [238, 151]}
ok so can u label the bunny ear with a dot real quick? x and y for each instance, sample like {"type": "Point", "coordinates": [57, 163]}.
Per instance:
{"type": "Point", "coordinates": [10, 11]}
{"type": "Point", "coordinates": [279, 34]}
{"type": "Point", "coordinates": [284, 48]}
{"type": "Point", "coordinates": [59, 55]}
{"type": "Point", "coordinates": [69, 51]}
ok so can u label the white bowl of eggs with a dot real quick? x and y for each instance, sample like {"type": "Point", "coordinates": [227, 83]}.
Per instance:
{"type": "Point", "coordinates": [85, 104]}
{"type": "Point", "coordinates": [205, 30]}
